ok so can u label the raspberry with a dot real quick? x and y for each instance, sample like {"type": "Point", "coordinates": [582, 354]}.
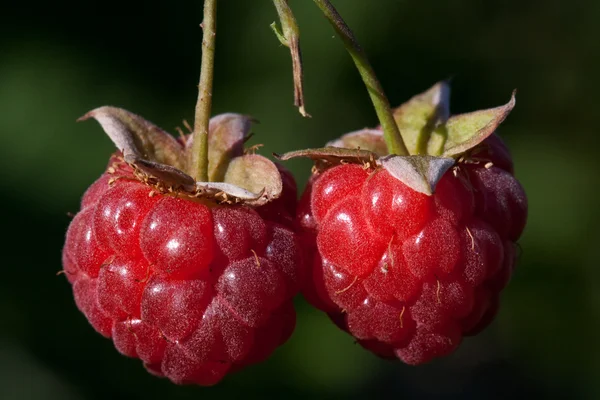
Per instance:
{"type": "Point", "coordinates": [185, 251]}
{"type": "Point", "coordinates": [407, 274]}
{"type": "Point", "coordinates": [192, 288]}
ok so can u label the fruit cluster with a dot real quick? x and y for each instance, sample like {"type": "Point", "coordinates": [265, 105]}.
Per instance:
{"type": "Point", "coordinates": [188, 252]}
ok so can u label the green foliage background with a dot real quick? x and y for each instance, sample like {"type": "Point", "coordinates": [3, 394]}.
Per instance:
{"type": "Point", "coordinates": [58, 62]}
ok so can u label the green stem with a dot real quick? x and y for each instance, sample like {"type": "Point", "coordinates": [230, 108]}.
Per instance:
{"type": "Point", "coordinates": [392, 135]}
{"type": "Point", "coordinates": [289, 36]}
{"type": "Point", "coordinates": [198, 161]}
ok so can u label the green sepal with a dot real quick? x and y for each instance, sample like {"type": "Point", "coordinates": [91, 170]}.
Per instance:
{"type": "Point", "coordinates": [465, 131]}
{"type": "Point", "coordinates": [421, 115]}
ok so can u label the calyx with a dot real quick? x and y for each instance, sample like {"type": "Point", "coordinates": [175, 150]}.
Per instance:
{"type": "Point", "coordinates": [435, 140]}
{"type": "Point", "coordinates": [234, 177]}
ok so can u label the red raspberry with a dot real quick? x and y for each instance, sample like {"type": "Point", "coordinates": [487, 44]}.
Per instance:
{"type": "Point", "coordinates": [196, 279]}
{"type": "Point", "coordinates": [192, 288]}
{"type": "Point", "coordinates": [408, 275]}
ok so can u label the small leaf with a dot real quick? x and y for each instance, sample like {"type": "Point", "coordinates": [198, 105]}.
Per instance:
{"type": "Point", "coordinates": [229, 189]}
{"type": "Point", "coordinates": [333, 155]}
{"type": "Point", "coordinates": [179, 180]}
{"type": "Point", "coordinates": [227, 133]}
{"type": "Point", "coordinates": [365, 139]}
{"type": "Point", "coordinates": [420, 173]}
{"type": "Point", "coordinates": [135, 136]}
{"type": "Point", "coordinates": [164, 173]}
{"type": "Point", "coordinates": [437, 139]}
{"type": "Point", "coordinates": [256, 174]}
{"type": "Point", "coordinates": [419, 116]}
{"type": "Point", "coordinates": [466, 131]}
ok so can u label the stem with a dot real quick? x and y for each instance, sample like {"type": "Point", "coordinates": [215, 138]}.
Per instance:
{"type": "Point", "coordinates": [393, 138]}
{"type": "Point", "coordinates": [198, 161]}
{"type": "Point", "coordinates": [290, 37]}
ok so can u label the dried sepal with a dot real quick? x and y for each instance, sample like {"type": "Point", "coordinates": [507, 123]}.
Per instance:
{"type": "Point", "coordinates": [465, 131]}
{"type": "Point", "coordinates": [364, 139]}
{"type": "Point", "coordinates": [135, 136]}
{"type": "Point", "coordinates": [166, 174]}
{"type": "Point", "coordinates": [167, 179]}
{"type": "Point", "coordinates": [255, 174]}
{"type": "Point", "coordinates": [420, 173]}
{"type": "Point", "coordinates": [421, 115]}
{"type": "Point", "coordinates": [227, 192]}
{"type": "Point", "coordinates": [331, 156]}
{"type": "Point", "coordinates": [226, 137]}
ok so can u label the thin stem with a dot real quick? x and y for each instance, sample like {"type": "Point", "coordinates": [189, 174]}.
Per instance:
{"type": "Point", "coordinates": [289, 36]}
{"type": "Point", "coordinates": [198, 161]}
{"type": "Point", "coordinates": [392, 135]}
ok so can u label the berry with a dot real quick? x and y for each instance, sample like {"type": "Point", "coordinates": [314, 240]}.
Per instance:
{"type": "Point", "coordinates": [191, 288]}
{"type": "Point", "coordinates": [407, 274]}
{"type": "Point", "coordinates": [194, 280]}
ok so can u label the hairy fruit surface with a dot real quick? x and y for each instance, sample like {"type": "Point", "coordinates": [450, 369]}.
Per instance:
{"type": "Point", "coordinates": [193, 280]}
{"type": "Point", "coordinates": [406, 272]}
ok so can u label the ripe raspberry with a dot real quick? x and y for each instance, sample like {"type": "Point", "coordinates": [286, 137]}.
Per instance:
{"type": "Point", "coordinates": [407, 273]}
{"type": "Point", "coordinates": [194, 285]}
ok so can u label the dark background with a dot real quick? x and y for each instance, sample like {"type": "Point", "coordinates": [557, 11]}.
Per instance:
{"type": "Point", "coordinates": [58, 62]}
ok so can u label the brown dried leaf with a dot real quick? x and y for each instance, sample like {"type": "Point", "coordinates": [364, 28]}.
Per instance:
{"type": "Point", "coordinates": [256, 174]}
{"type": "Point", "coordinates": [227, 133]}
{"type": "Point", "coordinates": [466, 131]}
{"type": "Point", "coordinates": [232, 191]}
{"type": "Point", "coordinates": [332, 155]}
{"type": "Point", "coordinates": [165, 173]}
{"type": "Point", "coordinates": [420, 173]}
{"type": "Point", "coordinates": [365, 139]}
{"type": "Point", "coordinates": [133, 135]}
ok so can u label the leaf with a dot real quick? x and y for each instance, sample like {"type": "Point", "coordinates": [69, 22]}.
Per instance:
{"type": "Point", "coordinates": [179, 180]}
{"type": "Point", "coordinates": [226, 137]}
{"type": "Point", "coordinates": [256, 174]}
{"type": "Point", "coordinates": [231, 190]}
{"type": "Point", "coordinates": [365, 139]}
{"type": "Point", "coordinates": [419, 116]}
{"type": "Point", "coordinates": [466, 131]}
{"type": "Point", "coordinates": [420, 173]}
{"type": "Point", "coordinates": [135, 136]}
{"type": "Point", "coordinates": [165, 173]}
{"type": "Point", "coordinates": [334, 155]}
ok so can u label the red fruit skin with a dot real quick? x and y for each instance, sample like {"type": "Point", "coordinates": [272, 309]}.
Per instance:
{"type": "Point", "coordinates": [194, 289]}
{"type": "Point", "coordinates": [410, 275]}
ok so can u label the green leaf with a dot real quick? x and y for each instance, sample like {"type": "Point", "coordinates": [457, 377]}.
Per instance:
{"type": "Point", "coordinates": [466, 131]}
{"type": "Point", "coordinates": [418, 117]}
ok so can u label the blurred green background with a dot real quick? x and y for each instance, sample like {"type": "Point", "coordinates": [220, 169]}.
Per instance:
{"type": "Point", "coordinates": [56, 63]}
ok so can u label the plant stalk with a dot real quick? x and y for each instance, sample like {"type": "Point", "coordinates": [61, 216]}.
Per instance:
{"type": "Point", "coordinates": [392, 135]}
{"type": "Point", "coordinates": [289, 36]}
{"type": "Point", "coordinates": [198, 158]}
